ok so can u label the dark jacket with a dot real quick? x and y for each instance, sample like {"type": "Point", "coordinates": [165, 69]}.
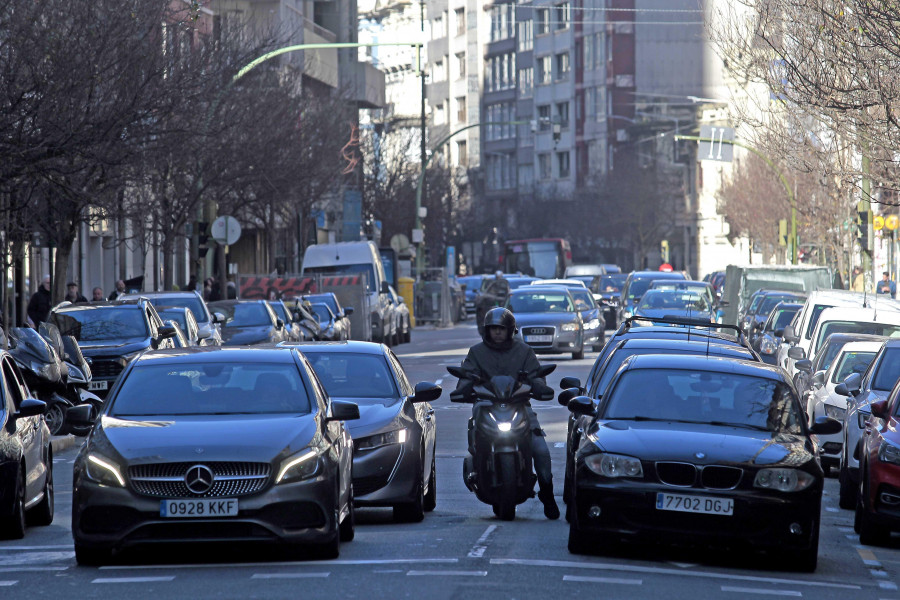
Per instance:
{"type": "Point", "coordinates": [39, 306]}
{"type": "Point", "coordinates": [78, 298]}
{"type": "Point", "coordinates": [487, 362]}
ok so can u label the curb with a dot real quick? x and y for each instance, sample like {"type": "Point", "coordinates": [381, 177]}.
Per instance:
{"type": "Point", "coordinates": [60, 443]}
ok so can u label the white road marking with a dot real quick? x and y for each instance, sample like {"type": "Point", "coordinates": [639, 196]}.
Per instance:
{"type": "Point", "coordinates": [19, 569]}
{"type": "Point", "coordinates": [19, 548]}
{"type": "Point", "coordinates": [453, 573]}
{"type": "Point", "coordinates": [568, 564]}
{"type": "Point", "coordinates": [878, 573]}
{"type": "Point", "coordinates": [287, 575]}
{"type": "Point", "coordinates": [832, 509]}
{"type": "Point", "coordinates": [581, 579]}
{"type": "Point", "coordinates": [480, 546]}
{"type": "Point", "coordinates": [559, 445]}
{"type": "Point", "coordinates": [887, 585]}
{"type": "Point", "coordinates": [132, 579]}
{"type": "Point", "coordinates": [726, 588]}
{"type": "Point", "coordinates": [257, 565]}
{"type": "Point", "coordinates": [683, 565]}
{"type": "Point", "coordinates": [8, 583]}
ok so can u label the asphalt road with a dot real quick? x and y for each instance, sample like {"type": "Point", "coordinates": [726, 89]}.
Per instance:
{"type": "Point", "coordinates": [459, 551]}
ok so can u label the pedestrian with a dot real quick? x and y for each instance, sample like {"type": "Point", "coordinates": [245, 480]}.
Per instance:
{"type": "Point", "coordinates": [120, 290]}
{"type": "Point", "coordinates": [97, 295]}
{"type": "Point", "coordinates": [231, 289]}
{"type": "Point", "coordinates": [215, 292]}
{"type": "Point", "coordinates": [40, 304]}
{"type": "Point", "coordinates": [207, 288]}
{"type": "Point", "coordinates": [886, 286]}
{"type": "Point", "coordinates": [72, 293]}
{"type": "Point", "coordinates": [191, 285]}
{"type": "Point", "coordinates": [858, 280]}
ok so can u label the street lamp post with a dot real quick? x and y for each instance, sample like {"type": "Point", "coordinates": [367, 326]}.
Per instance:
{"type": "Point", "coordinates": [772, 166]}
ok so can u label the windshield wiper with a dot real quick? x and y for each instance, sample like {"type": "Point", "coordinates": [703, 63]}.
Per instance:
{"type": "Point", "coordinates": [741, 425]}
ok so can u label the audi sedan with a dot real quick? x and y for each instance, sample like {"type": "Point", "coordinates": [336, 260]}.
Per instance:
{"type": "Point", "coordinates": [214, 445]}
{"type": "Point", "coordinates": [394, 438]}
{"type": "Point", "coordinates": [548, 319]}
{"type": "Point", "coordinates": [697, 449]}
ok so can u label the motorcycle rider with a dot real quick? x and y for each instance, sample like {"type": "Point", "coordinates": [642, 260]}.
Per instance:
{"type": "Point", "coordinates": [501, 354]}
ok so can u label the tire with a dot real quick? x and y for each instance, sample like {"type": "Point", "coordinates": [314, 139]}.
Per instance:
{"type": "Point", "coordinates": [55, 418]}
{"type": "Point", "coordinates": [505, 509]}
{"type": "Point", "coordinates": [13, 526]}
{"type": "Point", "coordinates": [431, 495]}
{"type": "Point", "coordinates": [578, 355]}
{"type": "Point", "coordinates": [42, 514]}
{"type": "Point", "coordinates": [847, 493]}
{"type": "Point", "coordinates": [870, 533]}
{"type": "Point", "coordinates": [808, 559]}
{"type": "Point", "coordinates": [91, 557]}
{"type": "Point", "coordinates": [331, 548]}
{"type": "Point", "coordinates": [578, 540]}
{"type": "Point", "coordinates": [412, 512]}
{"type": "Point", "coordinates": [347, 527]}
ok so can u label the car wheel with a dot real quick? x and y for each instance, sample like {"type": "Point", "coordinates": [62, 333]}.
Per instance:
{"type": "Point", "coordinates": [13, 526]}
{"type": "Point", "coordinates": [847, 493]}
{"type": "Point", "coordinates": [412, 512]}
{"type": "Point", "coordinates": [578, 540]}
{"type": "Point", "coordinates": [331, 548]}
{"type": "Point", "coordinates": [407, 336]}
{"type": "Point", "coordinates": [431, 496]}
{"type": "Point", "coordinates": [578, 355]}
{"type": "Point", "coordinates": [91, 557]}
{"type": "Point", "coordinates": [808, 559]}
{"type": "Point", "coordinates": [870, 533]}
{"type": "Point", "coordinates": [55, 418]}
{"type": "Point", "coordinates": [348, 525]}
{"type": "Point", "coordinates": [42, 514]}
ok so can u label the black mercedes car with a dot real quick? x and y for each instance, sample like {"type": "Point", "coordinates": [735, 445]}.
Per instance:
{"type": "Point", "coordinates": [394, 438]}
{"type": "Point", "coordinates": [697, 449]}
{"type": "Point", "coordinates": [214, 445]}
{"type": "Point", "coordinates": [246, 322]}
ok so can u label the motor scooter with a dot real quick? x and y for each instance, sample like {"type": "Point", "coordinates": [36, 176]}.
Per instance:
{"type": "Point", "coordinates": [499, 468]}
{"type": "Point", "coordinates": [44, 372]}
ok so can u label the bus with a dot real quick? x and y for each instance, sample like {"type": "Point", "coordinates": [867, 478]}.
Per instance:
{"type": "Point", "coordinates": [546, 258]}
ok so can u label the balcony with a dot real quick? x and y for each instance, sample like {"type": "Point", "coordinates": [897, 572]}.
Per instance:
{"type": "Point", "coordinates": [322, 64]}
{"type": "Point", "coordinates": [366, 85]}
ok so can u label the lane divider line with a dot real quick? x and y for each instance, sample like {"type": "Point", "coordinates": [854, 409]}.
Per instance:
{"type": "Point", "coordinates": [287, 575]}
{"type": "Point", "coordinates": [451, 573]}
{"type": "Point", "coordinates": [133, 579]}
{"type": "Point", "coordinates": [742, 590]}
{"type": "Point", "coordinates": [481, 545]}
{"type": "Point", "coordinates": [291, 564]}
{"type": "Point", "coordinates": [8, 583]}
{"type": "Point", "coordinates": [582, 579]}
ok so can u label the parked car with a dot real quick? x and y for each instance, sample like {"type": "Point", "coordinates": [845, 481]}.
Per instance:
{"type": "Point", "coordinates": [209, 332]}
{"type": "Point", "coordinates": [331, 328]}
{"type": "Point", "coordinates": [762, 304]}
{"type": "Point", "coordinates": [341, 313]}
{"type": "Point", "coordinates": [394, 439]}
{"type": "Point", "coordinates": [299, 324]}
{"type": "Point", "coordinates": [253, 449]}
{"type": "Point", "coordinates": [187, 324]}
{"type": "Point", "coordinates": [770, 336]}
{"type": "Point", "coordinates": [547, 319]}
{"type": "Point", "coordinates": [805, 381]}
{"type": "Point", "coordinates": [26, 457]}
{"type": "Point", "coordinates": [246, 322]}
{"type": "Point", "coordinates": [699, 449]}
{"type": "Point", "coordinates": [110, 334]}
{"type": "Point", "coordinates": [404, 326]}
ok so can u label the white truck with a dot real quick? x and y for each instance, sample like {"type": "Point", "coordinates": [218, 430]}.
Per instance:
{"type": "Point", "coordinates": [352, 259]}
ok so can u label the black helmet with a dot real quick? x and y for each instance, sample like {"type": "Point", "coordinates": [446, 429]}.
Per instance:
{"type": "Point", "coordinates": [499, 317]}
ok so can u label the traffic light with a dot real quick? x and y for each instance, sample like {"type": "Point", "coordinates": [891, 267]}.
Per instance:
{"type": "Point", "coordinates": [203, 238]}
{"type": "Point", "coordinates": [863, 226]}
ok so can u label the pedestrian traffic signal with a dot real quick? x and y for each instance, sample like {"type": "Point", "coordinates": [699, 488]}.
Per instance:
{"type": "Point", "coordinates": [863, 226]}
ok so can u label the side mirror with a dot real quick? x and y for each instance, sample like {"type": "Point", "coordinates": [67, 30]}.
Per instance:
{"type": "Point", "coordinates": [569, 382]}
{"type": "Point", "coordinates": [166, 332]}
{"type": "Point", "coordinates": [545, 370]}
{"type": "Point", "coordinates": [879, 409]}
{"type": "Point", "coordinates": [81, 415]}
{"type": "Point", "coordinates": [279, 324]}
{"type": "Point", "coordinates": [789, 335]}
{"type": "Point", "coordinates": [203, 334]}
{"type": "Point", "coordinates": [853, 381]}
{"type": "Point", "coordinates": [826, 426]}
{"type": "Point", "coordinates": [219, 318]}
{"type": "Point", "coordinates": [566, 395]}
{"type": "Point", "coordinates": [32, 407]}
{"type": "Point", "coordinates": [582, 405]}
{"type": "Point", "coordinates": [779, 333]}
{"type": "Point", "coordinates": [343, 411]}
{"type": "Point", "coordinates": [818, 378]}
{"type": "Point", "coordinates": [426, 392]}
{"type": "Point", "coordinates": [348, 310]}
{"type": "Point", "coordinates": [457, 372]}
{"type": "Point", "coordinates": [804, 365]}
{"type": "Point", "coordinates": [796, 352]}
{"type": "Point", "coordinates": [841, 389]}
{"type": "Point", "coordinates": [385, 287]}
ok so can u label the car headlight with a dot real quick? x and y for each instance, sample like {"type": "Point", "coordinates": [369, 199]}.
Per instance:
{"type": "Point", "coordinates": [569, 327]}
{"type": "Point", "coordinates": [593, 324]}
{"type": "Point", "coordinates": [767, 345]}
{"type": "Point", "coordinates": [783, 480]}
{"type": "Point", "coordinates": [835, 412]}
{"type": "Point", "coordinates": [627, 312]}
{"type": "Point", "coordinates": [614, 465]}
{"type": "Point", "coordinates": [297, 467]}
{"type": "Point", "coordinates": [889, 453]}
{"type": "Point", "coordinates": [102, 470]}
{"type": "Point", "coordinates": [397, 436]}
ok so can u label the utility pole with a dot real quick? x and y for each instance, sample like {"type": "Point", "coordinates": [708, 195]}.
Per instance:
{"type": "Point", "coordinates": [423, 150]}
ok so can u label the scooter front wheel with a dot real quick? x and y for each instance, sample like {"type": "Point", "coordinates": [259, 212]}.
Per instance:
{"type": "Point", "coordinates": [505, 508]}
{"type": "Point", "coordinates": [55, 418]}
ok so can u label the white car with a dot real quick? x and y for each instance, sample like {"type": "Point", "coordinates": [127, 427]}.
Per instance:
{"type": "Point", "coordinates": [564, 282]}
{"type": "Point", "coordinates": [822, 401]}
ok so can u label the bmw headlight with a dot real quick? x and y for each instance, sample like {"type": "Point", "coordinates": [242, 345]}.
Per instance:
{"type": "Point", "coordinates": [767, 345]}
{"type": "Point", "coordinates": [835, 412]}
{"type": "Point", "coordinates": [783, 480]}
{"type": "Point", "coordinates": [889, 453]}
{"type": "Point", "coordinates": [614, 465]}
{"type": "Point", "coordinates": [297, 467]}
{"type": "Point", "coordinates": [102, 470]}
{"type": "Point", "coordinates": [397, 436]}
{"type": "Point", "coordinates": [569, 327]}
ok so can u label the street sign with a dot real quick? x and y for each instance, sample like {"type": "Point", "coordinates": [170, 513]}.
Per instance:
{"type": "Point", "coordinates": [714, 144]}
{"type": "Point", "coordinates": [225, 230]}
{"type": "Point", "coordinates": [418, 236]}
{"type": "Point", "coordinates": [878, 223]}
{"type": "Point", "coordinates": [891, 222]}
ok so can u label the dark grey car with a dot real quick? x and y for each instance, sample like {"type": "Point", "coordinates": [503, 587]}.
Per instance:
{"type": "Point", "coordinates": [246, 322]}
{"type": "Point", "coordinates": [214, 445]}
{"type": "Point", "coordinates": [394, 438]}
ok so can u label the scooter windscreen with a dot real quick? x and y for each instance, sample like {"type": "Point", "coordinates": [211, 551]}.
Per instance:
{"type": "Point", "coordinates": [33, 352]}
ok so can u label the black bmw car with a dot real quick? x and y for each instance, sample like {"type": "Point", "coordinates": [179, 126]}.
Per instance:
{"type": "Point", "coordinates": [214, 445]}
{"type": "Point", "coordinates": [699, 449]}
{"type": "Point", "coordinates": [394, 438]}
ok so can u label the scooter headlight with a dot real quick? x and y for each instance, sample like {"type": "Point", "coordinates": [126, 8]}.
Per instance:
{"type": "Point", "coordinates": [76, 375]}
{"type": "Point", "coordinates": [504, 426]}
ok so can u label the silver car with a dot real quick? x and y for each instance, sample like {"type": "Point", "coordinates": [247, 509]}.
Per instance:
{"type": "Point", "coordinates": [209, 331]}
{"type": "Point", "coordinates": [548, 319]}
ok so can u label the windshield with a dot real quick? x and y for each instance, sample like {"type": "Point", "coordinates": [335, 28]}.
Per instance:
{"type": "Point", "coordinates": [281, 311]}
{"type": "Point", "coordinates": [754, 303]}
{"type": "Point", "coordinates": [324, 299]}
{"type": "Point", "coordinates": [888, 370]}
{"type": "Point", "coordinates": [612, 283]}
{"type": "Point", "coordinates": [191, 302]}
{"type": "Point", "coordinates": [583, 299]}
{"type": "Point", "coordinates": [830, 327]}
{"type": "Point", "coordinates": [814, 318]}
{"type": "Point", "coordinates": [361, 269]}
{"type": "Point", "coordinates": [672, 300]}
{"type": "Point", "coordinates": [526, 302]}
{"type": "Point", "coordinates": [177, 316]}
{"type": "Point", "coordinates": [852, 362]}
{"type": "Point", "coordinates": [704, 397]}
{"type": "Point", "coordinates": [351, 375]}
{"type": "Point", "coordinates": [769, 302]}
{"type": "Point", "coordinates": [782, 318]}
{"type": "Point", "coordinates": [211, 389]}
{"type": "Point", "coordinates": [322, 312]}
{"type": "Point", "coordinates": [252, 314]}
{"type": "Point", "coordinates": [108, 323]}
{"type": "Point", "coordinates": [540, 259]}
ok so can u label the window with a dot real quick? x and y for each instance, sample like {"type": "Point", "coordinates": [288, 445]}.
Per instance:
{"type": "Point", "coordinates": [562, 16]}
{"type": "Point", "coordinates": [437, 28]}
{"type": "Point", "coordinates": [502, 21]}
{"type": "Point", "coordinates": [541, 21]}
{"type": "Point", "coordinates": [526, 176]}
{"type": "Point", "coordinates": [500, 72]}
{"type": "Point", "coordinates": [437, 73]}
{"type": "Point", "coordinates": [544, 117]}
{"type": "Point", "coordinates": [461, 109]}
{"type": "Point", "coordinates": [544, 166]}
{"type": "Point", "coordinates": [544, 68]}
{"type": "Point", "coordinates": [526, 83]}
{"type": "Point", "coordinates": [562, 114]}
{"type": "Point", "coordinates": [500, 174]}
{"type": "Point", "coordinates": [462, 157]}
{"type": "Point", "coordinates": [460, 14]}
{"type": "Point", "coordinates": [525, 135]}
{"type": "Point", "coordinates": [440, 118]}
{"type": "Point", "coordinates": [562, 163]}
{"type": "Point", "coordinates": [562, 66]}
{"type": "Point", "coordinates": [526, 35]}
{"type": "Point", "coordinates": [461, 64]}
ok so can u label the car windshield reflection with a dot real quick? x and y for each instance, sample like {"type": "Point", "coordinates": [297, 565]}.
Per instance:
{"type": "Point", "coordinates": [351, 375]}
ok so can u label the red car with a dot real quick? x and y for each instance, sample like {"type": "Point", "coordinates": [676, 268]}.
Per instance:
{"type": "Point", "coordinates": [878, 506]}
